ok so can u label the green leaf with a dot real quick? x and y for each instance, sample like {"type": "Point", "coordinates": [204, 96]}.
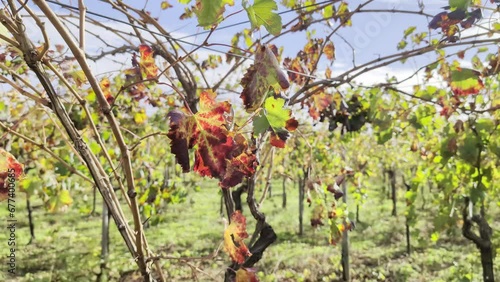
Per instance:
{"type": "Point", "coordinates": [65, 198]}
{"type": "Point", "coordinates": [343, 14]}
{"type": "Point", "coordinates": [209, 12]}
{"type": "Point", "coordinates": [91, 97]}
{"type": "Point", "coordinates": [448, 149]}
{"type": "Point", "coordinates": [274, 113]}
{"type": "Point", "coordinates": [384, 136]}
{"type": "Point", "coordinates": [482, 49]}
{"type": "Point", "coordinates": [459, 4]}
{"type": "Point", "coordinates": [256, 82]}
{"type": "Point", "coordinates": [106, 134]}
{"type": "Point", "coordinates": [31, 184]}
{"type": "Point", "coordinates": [261, 13]}
{"type": "Point", "coordinates": [328, 12]}
{"type": "Point", "coordinates": [469, 150]}
{"type": "Point", "coordinates": [61, 169]}
{"type": "Point", "coordinates": [95, 148]}
{"type": "Point", "coordinates": [402, 44]}
{"type": "Point", "coordinates": [147, 210]}
{"type": "Point", "coordinates": [410, 196]}
{"type": "Point", "coordinates": [435, 237]}
{"type": "Point", "coordinates": [260, 123]}
{"type": "Point", "coordinates": [439, 159]}
{"type": "Point", "coordinates": [409, 30]}
{"type": "Point", "coordinates": [485, 126]}
{"type": "Point", "coordinates": [276, 117]}
{"type": "Point", "coordinates": [477, 195]}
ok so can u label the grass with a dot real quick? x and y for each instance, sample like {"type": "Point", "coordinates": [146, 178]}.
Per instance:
{"type": "Point", "coordinates": [67, 245]}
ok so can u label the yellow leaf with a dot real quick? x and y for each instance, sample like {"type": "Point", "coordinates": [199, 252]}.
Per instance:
{"type": "Point", "coordinates": [234, 235]}
{"type": "Point", "coordinates": [165, 5]}
{"type": "Point", "coordinates": [140, 117]}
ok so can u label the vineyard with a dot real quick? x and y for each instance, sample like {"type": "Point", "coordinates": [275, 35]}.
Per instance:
{"type": "Point", "coordinates": [378, 251]}
{"type": "Point", "coordinates": [264, 140]}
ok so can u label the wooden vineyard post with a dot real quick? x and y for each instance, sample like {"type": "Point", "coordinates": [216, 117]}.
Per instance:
{"type": "Point", "coordinates": [345, 242]}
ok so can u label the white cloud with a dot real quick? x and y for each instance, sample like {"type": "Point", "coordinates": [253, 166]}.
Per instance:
{"type": "Point", "coordinates": [407, 76]}
{"type": "Point", "coordinates": [112, 64]}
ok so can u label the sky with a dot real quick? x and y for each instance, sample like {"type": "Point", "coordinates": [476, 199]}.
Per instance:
{"type": "Point", "coordinates": [372, 35]}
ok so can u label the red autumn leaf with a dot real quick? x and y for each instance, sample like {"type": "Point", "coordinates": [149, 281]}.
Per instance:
{"type": "Point", "coordinates": [106, 89]}
{"type": "Point", "coordinates": [339, 179]}
{"type": "Point", "coordinates": [311, 53]}
{"type": "Point", "coordinates": [147, 63]}
{"type": "Point", "coordinates": [335, 190]}
{"type": "Point", "coordinates": [133, 75]}
{"type": "Point", "coordinates": [9, 162]}
{"type": "Point", "coordinates": [468, 22]}
{"type": "Point", "coordinates": [444, 20]}
{"type": "Point", "coordinates": [461, 54]}
{"type": "Point", "coordinates": [78, 77]}
{"type": "Point", "coordinates": [295, 69]}
{"type": "Point", "coordinates": [4, 191]}
{"type": "Point", "coordinates": [329, 50]}
{"type": "Point", "coordinates": [138, 91]}
{"type": "Point", "coordinates": [263, 74]}
{"type": "Point", "coordinates": [219, 153]}
{"type": "Point", "coordinates": [328, 73]}
{"type": "Point", "coordinates": [234, 235]}
{"type": "Point", "coordinates": [181, 140]}
{"type": "Point", "coordinates": [318, 214]}
{"type": "Point", "coordinates": [473, 17]}
{"type": "Point", "coordinates": [303, 23]}
{"type": "Point", "coordinates": [464, 82]}
{"type": "Point", "coordinates": [242, 163]}
{"type": "Point", "coordinates": [278, 139]}
{"type": "Point", "coordinates": [246, 275]}
{"type": "Point", "coordinates": [10, 171]}
{"type": "Point", "coordinates": [188, 13]}
{"type": "Point", "coordinates": [319, 102]}
{"type": "Point", "coordinates": [336, 231]}
{"type": "Point", "coordinates": [449, 106]}
{"type": "Point", "coordinates": [59, 48]}
{"type": "Point", "coordinates": [446, 111]}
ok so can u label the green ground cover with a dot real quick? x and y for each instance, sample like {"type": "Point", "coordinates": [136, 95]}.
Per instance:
{"type": "Point", "coordinates": [67, 245]}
